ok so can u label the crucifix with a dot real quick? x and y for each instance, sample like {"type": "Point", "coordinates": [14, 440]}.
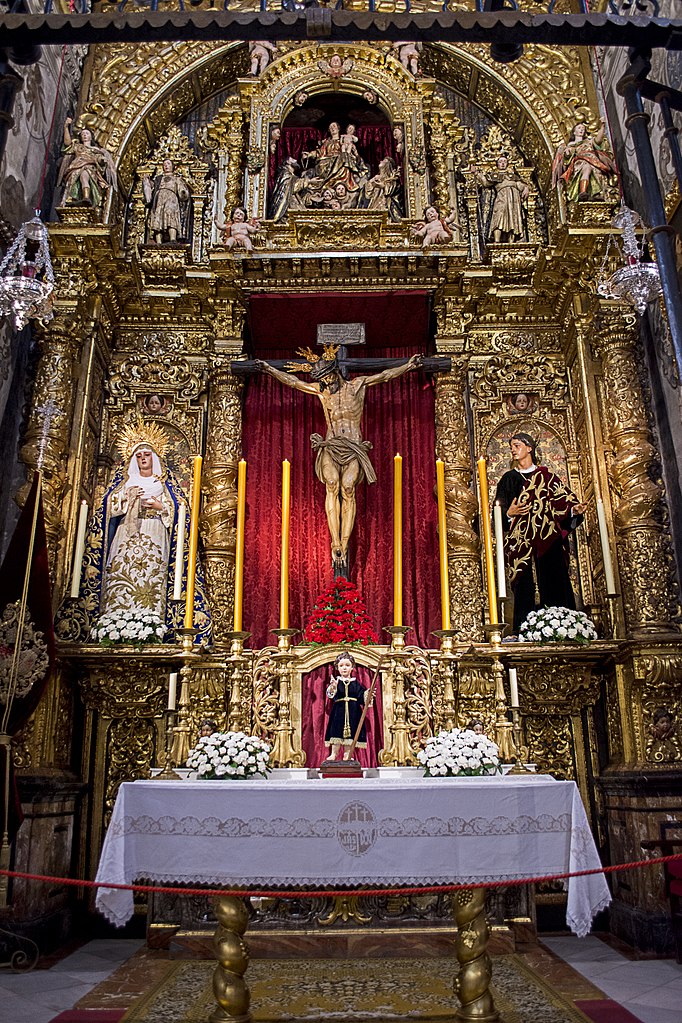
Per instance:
{"type": "Point", "coordinates": [342, 459]}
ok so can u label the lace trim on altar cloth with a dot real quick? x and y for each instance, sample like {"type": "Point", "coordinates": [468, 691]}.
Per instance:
{"type": "Point", "coordinates": [302, 827]}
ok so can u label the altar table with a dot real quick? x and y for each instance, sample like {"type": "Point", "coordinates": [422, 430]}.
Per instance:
{"type": "Point", "coordinates": [332, 833]}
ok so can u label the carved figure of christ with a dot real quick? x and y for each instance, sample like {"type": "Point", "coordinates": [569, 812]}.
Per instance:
{"type": "Point", "coordinates": [342, 456]}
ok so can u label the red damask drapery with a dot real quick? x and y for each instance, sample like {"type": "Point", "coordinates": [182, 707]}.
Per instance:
{"type": "Point", "coordinates": [278, 422]}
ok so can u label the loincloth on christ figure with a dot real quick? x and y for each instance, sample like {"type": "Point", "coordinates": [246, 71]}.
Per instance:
{"type": "Point", "coordinates": [343, 451]}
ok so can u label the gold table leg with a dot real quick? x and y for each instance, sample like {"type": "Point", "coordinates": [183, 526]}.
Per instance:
{"type": "Point", "coordinates": [229, 987]}
{"type": "Point", "coordinates": [475, 970]}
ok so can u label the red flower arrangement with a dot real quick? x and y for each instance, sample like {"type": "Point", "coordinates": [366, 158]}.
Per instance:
{"type": "Point", "coordinates": [340, 616]}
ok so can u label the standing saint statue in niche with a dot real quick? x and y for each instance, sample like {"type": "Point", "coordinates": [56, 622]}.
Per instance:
{"type": "Point", "coordinates": [507, 219]}
{"type": "Point", "coordinates": [86, 172]}
{"type": "Point", "coordinates": [342, 456]}
{"type": "Point", "coordinates": [167, 196]}
{"type": "Point", "coordinates": [584, 163]}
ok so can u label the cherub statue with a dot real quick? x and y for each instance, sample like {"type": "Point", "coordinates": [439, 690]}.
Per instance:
{"type": "Point", "coordinates": [335, 67]}
{"type": "Point", "coordinates": [261, 51]}
{"type": "Point", "coordinates": [300, 98]}
{"type": "Point", "coordinates": [436, 230]}
{"type": "Point", "coordinates": [408, 55]}
{"type": "Point", "coordinates": [236, 233]}
{"type": "Point", "coordinates": [583, 163]}
{"type": "Point", "coordinates": [86, 171]}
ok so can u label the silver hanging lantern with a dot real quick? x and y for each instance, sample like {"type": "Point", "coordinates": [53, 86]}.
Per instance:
{"type": "Point", "coordinates": [26, 276]}
{"type": "Point", "coordinates": [637, 282]}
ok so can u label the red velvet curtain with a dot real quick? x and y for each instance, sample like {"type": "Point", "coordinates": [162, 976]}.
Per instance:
{"type": "Point", "coordinates": [278, 422]}
{"type": "Point", "coordinates": [316, 708]}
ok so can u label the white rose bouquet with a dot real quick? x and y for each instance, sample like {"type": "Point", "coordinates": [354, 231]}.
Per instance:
{"type": "Point", "coordinates": [460, 751]}
{"type": "Point", "coordinates": [230, 755]}
{"type": "Point", "coordinates": [557, 625]}
{"type": "Point", "coordinates": [130, 625]}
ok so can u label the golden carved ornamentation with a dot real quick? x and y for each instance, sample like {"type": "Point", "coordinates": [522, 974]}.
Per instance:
{"type": "Point", "coordinates": [657, 686]}
{"type": "Point", "coordinates": [444, 135]}
{"type": "Point", "coordinates": [223, 448]}
{"type": "Point", "coordinates": [472, 983]}
{"type": "Point", "coordinates": [550, 744]}
{"type": "Point", "coordinates": [225, 138]}
{"type": "Point", "coordinates": [131, 753]}
{"type": "Point", "coordinates": [645, 557]}
{"type": "Point", "coordinates": [406, 689]}
{"type": "Point", "coordinates": [232, 953]}
{"type": "Point", "coordinates": [452, 445]}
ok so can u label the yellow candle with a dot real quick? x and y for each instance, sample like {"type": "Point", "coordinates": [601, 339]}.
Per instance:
{"type": "Point", "coordinates": [77, 569]}
{"type": "Point", "coordinates": [487, 540]}
{"type": "Point", "coordinates": [284, 569]}
{"type": "Point", "coordinates": [239, 549]}
{"type": "Point", "coordinates": [398, 540]}
{"type": "Point", "coordinates": [443, 545]}
{"type": "Point", "coordinates": [193, 542]}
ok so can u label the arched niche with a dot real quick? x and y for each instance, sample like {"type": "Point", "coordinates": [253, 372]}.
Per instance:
{"type": "Point", "coordinates": [135, 93]}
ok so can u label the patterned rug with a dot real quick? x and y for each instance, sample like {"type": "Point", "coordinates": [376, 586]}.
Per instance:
{"type": "Point", "coordinates": [358, 991]}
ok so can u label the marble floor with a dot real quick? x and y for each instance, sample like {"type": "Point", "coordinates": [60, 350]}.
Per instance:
{"type": "Point", "coordinates": [112, 973]}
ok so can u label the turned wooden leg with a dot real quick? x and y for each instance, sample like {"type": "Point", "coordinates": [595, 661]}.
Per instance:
{"type": "Point", "coordinates": [473, 980]}
{"type": "Point", "coordinates": [229, 987]}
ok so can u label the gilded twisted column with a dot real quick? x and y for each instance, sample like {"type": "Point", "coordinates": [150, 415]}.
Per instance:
{"type": "Point", "coordinates": [472, 983]}
{"type": "Point", "coordinates": [46, 444]}
{"type": "Point", "coordinates": [229, 987]}
{"type": "Point", "coordinates": [444, 131]}
{"type": "Point", "coordinates": [650, 590]}
{"type": "Point", "coordinates": [218, 520]}
{"type": "Point", "coordinates": [227, 132]}
{"type": "Point", "coordinates": [452, 445]}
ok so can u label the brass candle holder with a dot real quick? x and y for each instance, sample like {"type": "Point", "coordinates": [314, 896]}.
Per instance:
{"type": "Point", "coordinates": [167, 773]}
{"type": "Point", "coordinates": [284, 637]}
{"type": "Point", "coordinates": [397, 634]}
{"type": "Point", "coordinates": [446, 667]}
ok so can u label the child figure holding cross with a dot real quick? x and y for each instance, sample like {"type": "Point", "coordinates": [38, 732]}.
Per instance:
{"type": "Point", "coordinates": [348, 700]}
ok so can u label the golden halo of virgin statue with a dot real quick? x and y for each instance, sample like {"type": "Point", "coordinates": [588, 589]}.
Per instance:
{"type": "Point", "coordinates": [135, 434]}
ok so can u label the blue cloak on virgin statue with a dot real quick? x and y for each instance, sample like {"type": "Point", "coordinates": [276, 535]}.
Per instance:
{"type": "Point", "coordinates": [130, 556]}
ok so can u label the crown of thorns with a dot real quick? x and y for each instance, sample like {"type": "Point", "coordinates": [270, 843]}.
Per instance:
{"type": "Point", "coordinates": [328, 354]}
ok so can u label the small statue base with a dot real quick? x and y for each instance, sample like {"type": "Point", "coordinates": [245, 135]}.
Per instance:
{"type": "Point", "coordinates": [341, 769]}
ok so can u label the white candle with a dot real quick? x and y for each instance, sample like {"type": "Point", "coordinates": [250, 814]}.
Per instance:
{"type": "Point", "coordinates": [172, 689]}
{"type": "Point", "coordinates": [80, 550]}
{"type": "Point", "coordinates": [606, 550]}
{"type": "Point", "coordinates": [179, 552]}
{"type": "Point", "coordinates": [513, 687]}
{"type": "Point", "coordinates": [499, 551]}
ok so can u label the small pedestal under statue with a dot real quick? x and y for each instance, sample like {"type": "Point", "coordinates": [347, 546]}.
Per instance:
{"type": "Point", "coordinates": [349, 699]}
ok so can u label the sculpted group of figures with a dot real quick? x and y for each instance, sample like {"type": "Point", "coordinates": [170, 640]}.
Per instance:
{"type": "Point", "coordinates": [336, 176]}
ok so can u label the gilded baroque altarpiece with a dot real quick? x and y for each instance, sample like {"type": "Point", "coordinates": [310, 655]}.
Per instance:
{"type": "Point", "coordinates": [139, 315]}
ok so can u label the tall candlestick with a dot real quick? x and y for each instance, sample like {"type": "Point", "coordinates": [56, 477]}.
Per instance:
{"type": "Point", "coordinates": [179, 551]}
{"type": "Point", "coordinates": [284, 568]}
{"type": "Point", "coordinates": [443, 546]}
{"type": "Point", "coordinates": [605, 549]}
{"type": "Point", "coordinates": [79, 551]}
{"type": "Point", "coordinates": [193, 542]}
{"type": "Point", "coordinates": [398, 540]}
{"type": "Point", "coordinates": [172, 689]}
{"type": "Point", "coordinates": [499, 551]}
{"type": "Point", "coordinates": [239, 549]}
{"type": "Point", "coordinates": [487, 540]}
{"type": "Point", "coordinates": [513, 688]}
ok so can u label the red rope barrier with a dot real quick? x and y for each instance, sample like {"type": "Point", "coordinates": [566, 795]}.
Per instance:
{"type": "Point", "coordinates": [332, 892]}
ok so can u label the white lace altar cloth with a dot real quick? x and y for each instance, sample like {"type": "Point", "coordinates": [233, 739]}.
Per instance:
{"type": "Point", "coordinates": [381, 832]}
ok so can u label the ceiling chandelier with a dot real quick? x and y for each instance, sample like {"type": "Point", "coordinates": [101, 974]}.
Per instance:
{"type": "Point", "coordinates": [26, 276]}
{"type": "Point", "coordinates": [637, 282]}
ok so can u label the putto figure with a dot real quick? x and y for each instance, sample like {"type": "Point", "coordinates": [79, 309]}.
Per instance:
{"type": "Point", "coordinates": [336, 67]}
{"type": "Point", "coordinates": [342, 456]}
{"type": "Point", "coordinates": [408, 55]}
{"type": "Point", "coordinates": [436, 230]}
{"type": "Point", "coordinates": [236, 234]}
{"type": "Point", "coordinates": [261, 51]}
{"type": "Point", "coordinates": [167, 196]}
{"type": "Point", "coordinates": [86, 171]}
{"type": "Point", "coordinates": [584, 163]}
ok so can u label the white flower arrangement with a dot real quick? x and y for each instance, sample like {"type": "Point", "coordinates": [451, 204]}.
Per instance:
{"type": "Point", "coordinates": [132, 625]}
{"type": "Point", "coordinates": [460, 751]}
{"type": "Point", "coordinates": [557, 625]}
{"type": "Point", "coordinates": [230, 755]}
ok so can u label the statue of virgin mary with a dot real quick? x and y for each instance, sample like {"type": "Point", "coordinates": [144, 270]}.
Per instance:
{"type": "Point", "coordinates": [131, 544]}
